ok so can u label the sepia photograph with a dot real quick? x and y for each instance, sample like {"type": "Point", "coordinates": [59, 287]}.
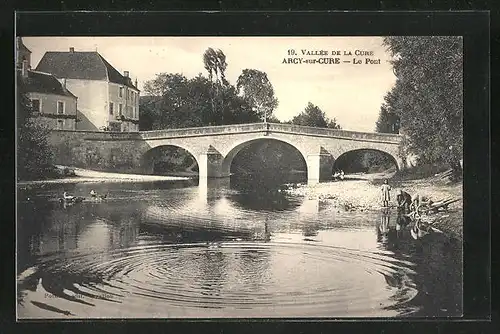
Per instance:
{"type": "Point", "coordinates": [239, 177]}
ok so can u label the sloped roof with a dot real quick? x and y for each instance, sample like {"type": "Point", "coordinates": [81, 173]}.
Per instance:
{"type": "Point", "coordinates": [81, 65]}
{"type": "Point", "coordinates": [38, 82]}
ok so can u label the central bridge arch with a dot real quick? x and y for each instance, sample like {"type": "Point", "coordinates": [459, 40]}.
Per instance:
{"type": "Point", "coordinates": [237, 148]}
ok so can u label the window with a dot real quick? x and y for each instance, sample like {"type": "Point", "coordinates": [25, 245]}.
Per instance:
{"type": "Point", "coordinates": [35, 104]}
{"type": "Point", "coordinates": [111, 108]}
{"type": "Point", "coordinates": [60, 124]}
{"type": "Point", "coordinates": [60, 107]}
{"type": "Point", "coordinates": [120, 109]}
{"type": "Point", "coordinates": [121, 91]}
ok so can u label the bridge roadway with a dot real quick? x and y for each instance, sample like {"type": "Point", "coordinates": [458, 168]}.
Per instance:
{"type": "Point", "coordinates": [214, 147]}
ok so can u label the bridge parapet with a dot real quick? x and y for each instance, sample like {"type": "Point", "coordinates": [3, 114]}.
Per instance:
{"type": "Point", "coordinates": [309, 130]}
{"type": "Point", "coordinates": [271, 127]}
{"type": "Point", "coordinates": [203, 130]}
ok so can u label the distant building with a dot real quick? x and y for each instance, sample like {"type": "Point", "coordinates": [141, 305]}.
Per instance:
{"type": "Point", "coordinates": [52, 102]}
{"type": "Point", "coordinates": [107, 100]}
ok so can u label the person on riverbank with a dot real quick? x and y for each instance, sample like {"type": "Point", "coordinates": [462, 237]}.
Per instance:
{"type": "Point", "coordinates": [386, 194]}
{"type": "Point", "coordinates": [341, 175]}
{"type": "Point", "coordinates": [418, 202]}
{"type": "Point", "coordinates": [404, 200]}
{"type": "Point", "coordinates": [93, 194]}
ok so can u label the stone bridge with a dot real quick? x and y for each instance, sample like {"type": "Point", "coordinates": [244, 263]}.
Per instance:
{"type": "Point", "coordinates": [215, 147]}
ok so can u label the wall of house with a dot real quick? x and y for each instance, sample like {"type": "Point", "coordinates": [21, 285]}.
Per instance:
{"type": "Point", "coordinates": [20, 54]}
{"type": "Point", "coordinates": [52, 123]}
{"type": "Point", "coordinates": [48, 106]}
{"type": "Point", "coordinates": [92, 103]}
{"type": "Point", "coordinates": [130, 106]}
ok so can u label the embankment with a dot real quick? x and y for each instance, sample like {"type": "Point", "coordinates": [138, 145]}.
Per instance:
{"type": "Point", "coordinates": [358, 194]}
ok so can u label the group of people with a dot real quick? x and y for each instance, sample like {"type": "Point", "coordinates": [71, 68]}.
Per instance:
{"type": "Point", "coordinates": [338, 175]}
{"type": "Point", "coordinates": [406, 202]}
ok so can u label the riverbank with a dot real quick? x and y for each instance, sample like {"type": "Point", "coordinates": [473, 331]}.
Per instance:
{"type": "Point", "coordinates": [91, 176]}
{"type": "Point", "coordinates": [361, 193]}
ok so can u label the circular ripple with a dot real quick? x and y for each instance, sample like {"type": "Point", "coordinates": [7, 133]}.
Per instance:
{"type": "Point", "coordinates": [231, 279]}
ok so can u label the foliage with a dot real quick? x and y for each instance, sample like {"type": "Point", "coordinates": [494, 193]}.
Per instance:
{"type": "Point", "coordinates": [387, 122]}
{"type": "Point", "coordinates": [215, 63]}
{"type": "Point", "coordinates": [314, 116]}
{"type": "Point", "coordinates": [258, 91]}
{"type": "Point", "coordinates": [187, 103]}
{"type": "Point", "coordinates": [34, 157]}
{"type": "Point", "coordinates": [428, 96]}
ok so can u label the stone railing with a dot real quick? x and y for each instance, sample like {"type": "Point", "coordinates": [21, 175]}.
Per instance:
{"type": "Point", "coordinates": [309, 130]}
{"type": "Point", "coordinates": [270, 127]}
{"type": "Point", "coordinates": [204, 130]}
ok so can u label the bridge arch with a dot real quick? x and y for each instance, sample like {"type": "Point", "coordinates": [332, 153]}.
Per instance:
{"type": "Point", "coordinates": [238, 147]}
{"type": "Point", "coordinates": [148, 158]}
{"type": "Point", "coordinates": [346, 158]}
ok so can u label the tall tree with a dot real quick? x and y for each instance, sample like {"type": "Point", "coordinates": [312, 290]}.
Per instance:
{"type": "Point", "coordinates": [388, 122]}
{"type": "Point", "coordinates": [215, 63]}
{"type": "Point", "coordinates": [34, 157]}
{"type": "Point", "coordinates": [314, 116]}
{"type": "Point", "coordinates": [428, 95]}
{"type": "Point", "coordinates": [256, 88]}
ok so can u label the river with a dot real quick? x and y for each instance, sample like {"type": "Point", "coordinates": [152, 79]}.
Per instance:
{"type": "Point", "coordinates": [179, 249]}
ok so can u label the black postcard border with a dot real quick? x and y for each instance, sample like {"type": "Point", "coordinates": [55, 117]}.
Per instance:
{"type": "Point", "coordinates": [474, 26]}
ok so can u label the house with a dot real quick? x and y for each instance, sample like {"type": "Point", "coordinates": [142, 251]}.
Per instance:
{"type": "Point", "coordinates": [107, 100]}
{"type": "Point", "coordinates": [52, 102]}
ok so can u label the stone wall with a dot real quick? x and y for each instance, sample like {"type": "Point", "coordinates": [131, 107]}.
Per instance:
{"type": "Point", "coordinates": [105, 151]}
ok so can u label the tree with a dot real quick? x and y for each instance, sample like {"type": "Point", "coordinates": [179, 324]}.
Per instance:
{"type": "Point", "coordinates": [428, 96]}
{"type": "Point", "coordinates": [215, 63]}
{"type": "Point", "coordinates": [388, 122]}
{"type": "Point", "coordinates": [256, 88]}
{"type": "Point", "coordinates": [34, 157]}
{"type": "Point", "coordinates": [187, 103]}
{"type": "Point", "coordinates": [314, 116]}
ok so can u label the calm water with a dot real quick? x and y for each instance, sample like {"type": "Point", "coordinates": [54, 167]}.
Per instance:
{"type": "Point", "coordinates": [220, 250]}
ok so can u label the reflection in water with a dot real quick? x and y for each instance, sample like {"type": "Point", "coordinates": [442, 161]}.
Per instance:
{"type": "Point", "coordinates": [224, 249]}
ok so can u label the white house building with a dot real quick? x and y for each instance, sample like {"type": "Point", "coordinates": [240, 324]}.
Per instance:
{"type": "Point", "coordinates": [107, 100]}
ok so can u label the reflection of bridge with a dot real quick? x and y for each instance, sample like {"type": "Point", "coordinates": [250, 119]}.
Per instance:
{"type": "Point", "coordinates": [215, 147]}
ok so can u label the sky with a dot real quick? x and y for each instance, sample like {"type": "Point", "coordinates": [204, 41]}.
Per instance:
{"type": "Point", "coordinates": [350, 93]}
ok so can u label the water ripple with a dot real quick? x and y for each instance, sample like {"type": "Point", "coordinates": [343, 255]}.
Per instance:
{"type": "Point", "coordinates": [229, 279]}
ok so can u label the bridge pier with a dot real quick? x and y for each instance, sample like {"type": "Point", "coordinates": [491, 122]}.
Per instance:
{"type": "Point", "coordinates": [210, 164]}
{"type": "Point", "coordinates": [319, 167]}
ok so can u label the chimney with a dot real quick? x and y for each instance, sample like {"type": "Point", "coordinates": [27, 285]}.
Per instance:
{"type": "Point", "coordinates": [72, 49]}
{"type": "Point", "coordinates": [24, 69]}
{"type": "Point", "coordinates": [64, 83]}
{"type": "Point", "coordinates": [125, 74]}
